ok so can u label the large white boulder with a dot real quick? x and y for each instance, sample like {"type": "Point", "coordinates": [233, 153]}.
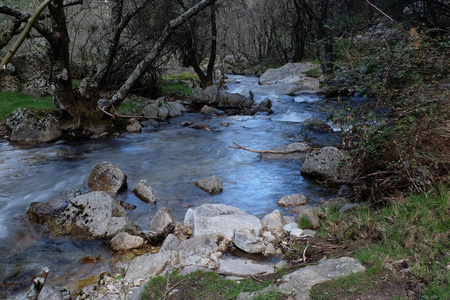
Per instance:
{"type": "Point", "coordinates": [220, 219]}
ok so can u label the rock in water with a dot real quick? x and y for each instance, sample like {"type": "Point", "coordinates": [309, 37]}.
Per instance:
{"type": "Point", "coordinates": [144, 192]}
{"type": "Point", "coordinates": [212, 185]}
{"type": "Point", "coordinates": [327, 162]}
{"type": "Point", "coordinates": [95, 215]}
{"type": "Point", "coordinates": [107, 177]}
{"type": "Point", "coordinates": [293, 200]}
{"type": "Point", "coordinates": [161, 226]}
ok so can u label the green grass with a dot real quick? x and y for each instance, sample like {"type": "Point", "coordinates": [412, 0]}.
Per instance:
{"type": "Point", "coordinates": [9, 102]}
{"type": "Point", "coordinates": [182, 76]}
{"type": "Point", "coordinates": [202, 285]}
{"type": "Point", "coordinates": [415, 229]}
{"type": "Point", "coordinates": [176, 87]}
{"type": "Point", "coordinates": [314, 73]}
{"type": "Point", "coordinates": [304, 223]}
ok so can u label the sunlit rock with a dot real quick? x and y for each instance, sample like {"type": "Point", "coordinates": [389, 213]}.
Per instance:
{"type": "Point", "coordinates": [147, 266]}
{"type": "Point", "coordinates": [299, 283]}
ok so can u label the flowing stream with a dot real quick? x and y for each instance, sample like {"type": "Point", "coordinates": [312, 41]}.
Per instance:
{"type": "Point", "coordinates": [170, 157]}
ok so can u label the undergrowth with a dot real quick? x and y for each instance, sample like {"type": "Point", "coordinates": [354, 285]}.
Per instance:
{"type": "Point", "coordinates": [399, 139]}
{"type": "Point", "coordinates": [201, 285]}
{"type": "Point", "coordinates": [411, 230]}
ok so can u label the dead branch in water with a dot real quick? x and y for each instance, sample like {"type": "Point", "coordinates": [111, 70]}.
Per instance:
{"type": "Point", "coordinates": [237, 146]}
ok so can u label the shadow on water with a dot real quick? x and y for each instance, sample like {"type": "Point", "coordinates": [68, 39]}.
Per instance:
{"type": "Point", "coordinates": [170, 157]}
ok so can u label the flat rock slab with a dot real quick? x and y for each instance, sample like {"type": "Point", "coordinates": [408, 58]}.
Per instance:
{"type": "Point", "coordinates": [299, 283]}
{"type": "Point", "coordinates": [147, 266]}
{"type": "Point", "coordinates": [243, 267]}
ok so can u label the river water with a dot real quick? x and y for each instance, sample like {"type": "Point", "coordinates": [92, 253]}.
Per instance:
{"type": "Point", "coordinates": [170, 157]}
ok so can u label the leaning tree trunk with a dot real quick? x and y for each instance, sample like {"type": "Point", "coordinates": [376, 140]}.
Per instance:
{"type": "Point", "coordinates": [107, 104]}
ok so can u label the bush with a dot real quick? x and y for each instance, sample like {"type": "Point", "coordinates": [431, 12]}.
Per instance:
{"type": "Point", "coordinates": [399, 140]}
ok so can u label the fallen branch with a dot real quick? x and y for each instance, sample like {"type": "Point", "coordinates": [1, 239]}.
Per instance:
{"type": "Point", "coordinates": [237, 146]}
{"type": "Point", "coordinates": [116, 114]}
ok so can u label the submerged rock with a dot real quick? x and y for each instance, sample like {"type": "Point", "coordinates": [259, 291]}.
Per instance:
{"type": "Point", "coordinates": [317, 125]}
{"type": "Point", "coordinates": [212, 185]}
{"type": "Point", "coordinates": [107, 177]}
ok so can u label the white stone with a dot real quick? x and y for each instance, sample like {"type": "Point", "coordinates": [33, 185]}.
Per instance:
{"type": "Point", "coordinates": [247, 241]}
{"type": "Point", "coordinates": [220, 219]}
{"type": "Point", "coordinates": [296, 232]}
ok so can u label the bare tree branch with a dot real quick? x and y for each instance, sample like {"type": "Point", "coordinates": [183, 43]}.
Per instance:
{"type": "Point", "coordinates": [24, 33]}
{"type": "Point", "coordinates": [153, 55]}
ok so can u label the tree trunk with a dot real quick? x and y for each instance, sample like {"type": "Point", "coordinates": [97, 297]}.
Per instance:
{"type": "Point", "coordinates": [58, 52]}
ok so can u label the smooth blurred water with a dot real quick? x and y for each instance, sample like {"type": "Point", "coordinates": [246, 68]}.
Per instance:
{"type": "Point", "coordinates": [170, 157]}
